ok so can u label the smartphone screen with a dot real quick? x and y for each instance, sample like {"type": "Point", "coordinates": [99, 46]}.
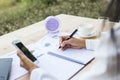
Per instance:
{"type": "Point", "coordinates": [26, 51]}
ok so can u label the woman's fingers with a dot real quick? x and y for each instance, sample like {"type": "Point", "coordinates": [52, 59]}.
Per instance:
{"type": "Point", "coordinates": [23, 58]}
{"type": "Point", "coordinates": [21, 64]}
{"type": "Point", "coordinates": [20, 55]}
{"type": "Point", "coordinates": [26, 62]}
{"type": "Point", "coordinates": [64, 43]}
{"type": "Point", "coordinates": [62, 38]}
{"type": "Point", "coordinates": [65, 47]}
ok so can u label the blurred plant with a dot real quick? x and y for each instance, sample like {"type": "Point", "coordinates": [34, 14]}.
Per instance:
{"type": "Point", "coordinates": [49, 2]}
{"type": "Point", "coordinates": [18, 0]}
{"type": "Point", "coordinates": [93, 0]}
{"type": "Point", "coordinates": [27, 12]}
{"type": "Point", "coordinates": [25, 2]}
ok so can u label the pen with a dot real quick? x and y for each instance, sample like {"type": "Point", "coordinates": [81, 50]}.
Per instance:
{"type": "Point", "coordinates": [70, 35]}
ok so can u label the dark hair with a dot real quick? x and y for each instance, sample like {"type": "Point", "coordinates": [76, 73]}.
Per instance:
{"type": "Point", "coordinates": [113, 12]}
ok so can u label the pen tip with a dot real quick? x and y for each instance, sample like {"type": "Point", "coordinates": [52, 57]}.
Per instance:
{"type": "Point", "coordinates": [59, 47]}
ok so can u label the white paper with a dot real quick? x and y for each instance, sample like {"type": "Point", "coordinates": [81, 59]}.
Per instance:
{"type": "Point", "coordinates": [79, 55]}
{"type": "Point", "coordinates": [59, 68]}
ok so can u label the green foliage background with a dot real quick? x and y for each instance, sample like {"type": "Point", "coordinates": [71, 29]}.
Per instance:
{"type": "Point", "coordinates": [15, 14]}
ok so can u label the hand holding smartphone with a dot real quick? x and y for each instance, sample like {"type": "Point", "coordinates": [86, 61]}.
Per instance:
{"type": "Point", "coordinates": [19, 45]}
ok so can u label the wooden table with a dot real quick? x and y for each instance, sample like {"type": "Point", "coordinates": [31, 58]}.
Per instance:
{"type": "Point", "coordinates": [35, 32]}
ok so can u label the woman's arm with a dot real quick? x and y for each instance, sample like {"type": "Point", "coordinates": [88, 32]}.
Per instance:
{"type": "Point", "coordinates": [76, 43]}
{"type": "Point", "coordinates": [36, 73]}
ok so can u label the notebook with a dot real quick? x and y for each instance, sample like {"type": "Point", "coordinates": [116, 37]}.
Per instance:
{"type": "Point", "coordinates": [50, 43]}
{"type": "Point", "coordinates": [5, 68]}
{"type": "Point", "coordinates": [80, 56]}
{"type": "Point", "coordinates": [59, 68]}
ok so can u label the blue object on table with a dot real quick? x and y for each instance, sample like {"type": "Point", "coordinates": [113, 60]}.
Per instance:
{"type": "Point", "coordinates": [5, 68]}
{"type": "Point", "coordinates": [47, 44]}
{"type": "Point", "coordinates": [52, 24]}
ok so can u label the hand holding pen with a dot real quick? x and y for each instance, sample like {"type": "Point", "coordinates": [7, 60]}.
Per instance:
{"type": "Point", "coordinates": [71, 42]}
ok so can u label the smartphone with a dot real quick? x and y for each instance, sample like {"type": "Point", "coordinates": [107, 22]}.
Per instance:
{"type": "Point", "coordinates": [18, 44]}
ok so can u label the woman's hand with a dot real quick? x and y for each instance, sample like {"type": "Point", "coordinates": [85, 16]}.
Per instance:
{"type": "Point", "coordinates": [71, 43]}
{"type": "Point", "coordinates": [25, 62]}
